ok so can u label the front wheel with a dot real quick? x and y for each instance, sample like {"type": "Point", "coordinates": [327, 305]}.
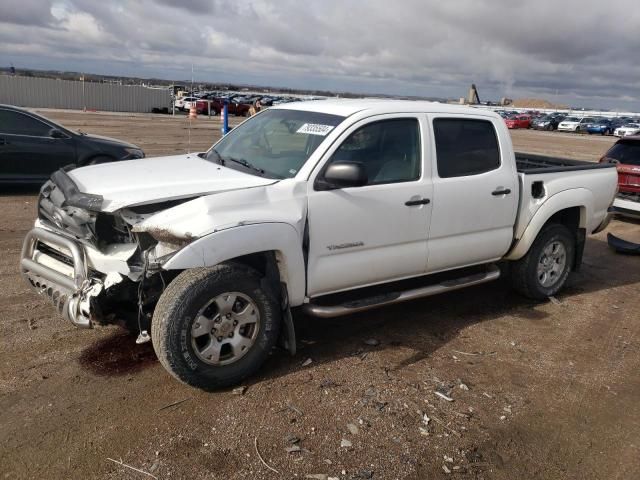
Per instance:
{"type": "Point", "coordinates": [543, 271]}
{"type": "Point", "coordinates": [213, 327]}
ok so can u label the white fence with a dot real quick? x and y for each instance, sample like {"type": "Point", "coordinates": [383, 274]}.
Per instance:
{"type": "Point", "coordinates": [77, 95]}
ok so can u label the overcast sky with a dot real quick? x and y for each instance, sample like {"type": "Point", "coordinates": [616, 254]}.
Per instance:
{"type": "Point", "coordinates": [571, 51]}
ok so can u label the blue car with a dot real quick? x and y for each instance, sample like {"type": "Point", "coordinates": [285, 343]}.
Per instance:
{"type": "Point", "coordinates": [603, 126]}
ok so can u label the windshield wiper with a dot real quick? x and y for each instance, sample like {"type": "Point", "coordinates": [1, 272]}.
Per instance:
{"type": "Point", "coordinates": [218, 156]}
{"type": "Point", "coordinates": [246, 164]}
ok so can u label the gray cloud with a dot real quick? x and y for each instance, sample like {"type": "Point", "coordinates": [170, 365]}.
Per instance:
{"type": "Point", "coordinates": [569, 51]}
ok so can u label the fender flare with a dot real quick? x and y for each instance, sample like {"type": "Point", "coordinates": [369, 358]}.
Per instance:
{"type": "Point", "coordinates": [223, 245]}
{"type": "Point", "coordinates": [575, 197]}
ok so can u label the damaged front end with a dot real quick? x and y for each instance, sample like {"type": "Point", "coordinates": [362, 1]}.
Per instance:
{"type": "Point", "coordinates": [93, 265]}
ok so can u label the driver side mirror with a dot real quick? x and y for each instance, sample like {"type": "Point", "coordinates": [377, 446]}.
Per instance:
{"type": "Point", "coordinates": [343, 175]}
{"type": "Point", "coordinates": [54, 133]}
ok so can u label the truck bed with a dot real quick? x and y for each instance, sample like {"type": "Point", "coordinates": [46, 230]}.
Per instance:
{"type": "Point", "coordinates": [530, 163]}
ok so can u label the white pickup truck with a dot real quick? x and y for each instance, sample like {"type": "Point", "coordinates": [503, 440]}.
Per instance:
{"type": "Point", "coordinates": [331, 207]}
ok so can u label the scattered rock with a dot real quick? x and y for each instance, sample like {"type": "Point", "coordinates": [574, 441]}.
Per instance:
{"type": "Point", "coordinates": [239, 390]}
{"type": "Point", "coordinates": [507, 409]}
{"type": "Point", "coordinates": [555, 301]}
{"type": "Point", "coordinates": [372, 342]}
{"type": "Point", "coordinates": [443, 396]}
{"type": "Point", "coordinates": [353, 429]}
{"type": "Point", "coordinates": [363, 474]}
{"type": "Point", "coordinates": [307, 362]}
{"type": "Point", "coordinates": [318, 476]}
{"type": "Point", "coordinates": [292, 439]}
{"type": "Point", "coordinates": [462, 386]}
{"type": "Point", "coordinates": [293, 449]}
{"type": "Point", "coordinates": [423, 431]}
{"type": "Point", "coordinates": [328, 383]}
{"type": "Point", "coordinates": [502, 417]}
{"type": "Point", "coordinates": [486, 395]}
{"type": "Point", "coordinates": [345, 443]}
{"type": "Point", "coordinates": [446, 469]}
{"type": "Point", "coordinates": [425, 419]}
{"type": "Point", "coordinates": [448, 459]}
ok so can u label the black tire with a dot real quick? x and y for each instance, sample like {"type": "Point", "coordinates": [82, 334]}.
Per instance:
{"type": "Point", "coordinates": [524, 272]}
{"type": "Point", "coordinates": [175, 314]}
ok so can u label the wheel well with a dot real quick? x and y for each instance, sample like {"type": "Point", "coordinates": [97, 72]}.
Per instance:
{"type": "Point", "coordinates": [572, 218]}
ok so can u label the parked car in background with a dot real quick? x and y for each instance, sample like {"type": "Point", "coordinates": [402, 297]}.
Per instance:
{"type": "Point", "coordinates": [32, 147]}
{"type": "Point", "coordinates": [603, 126]}
{"type": "Point", "coordinates": [518, 121]}
{"type": "Point", "coordinates": [627, 129]}
{"type": "Point", "coordinates": [188, 103]}
{"type": "Point", "coordinates": [180, 103]}
{"type": "Point", "coordinates": [547, 122]}
{"type": "Point", "coordinates": [625, 153]}
{"type": "Point", "coordinates": [574, 124]}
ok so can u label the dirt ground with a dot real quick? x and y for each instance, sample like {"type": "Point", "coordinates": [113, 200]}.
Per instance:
{"type": "Point", "coordinates": [540, 390]}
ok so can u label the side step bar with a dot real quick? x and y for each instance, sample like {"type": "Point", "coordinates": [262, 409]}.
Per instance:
{"type": "Point", "coordinates": [329, 311]}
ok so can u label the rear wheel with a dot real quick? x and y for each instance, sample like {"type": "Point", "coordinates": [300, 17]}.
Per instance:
{"type": "Point", "coordinates": [543, 271]}
{"type": "Point", "coordinates": [215, 326]}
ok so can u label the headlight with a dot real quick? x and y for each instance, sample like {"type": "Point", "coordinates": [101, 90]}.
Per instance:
{"type": "Point", "coordinates": [134, 152]}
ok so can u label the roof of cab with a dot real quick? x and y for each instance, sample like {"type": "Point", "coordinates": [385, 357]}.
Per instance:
{"type": "Point", "coordinates": [347, 107]}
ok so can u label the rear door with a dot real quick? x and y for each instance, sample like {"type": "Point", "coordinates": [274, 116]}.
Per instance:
{"type": "Point", "coordinates": [27, 151]}
{"type": "Point", "coordinates": [475, 192]}
{"type": "Point", "coordinates": [378, 232]}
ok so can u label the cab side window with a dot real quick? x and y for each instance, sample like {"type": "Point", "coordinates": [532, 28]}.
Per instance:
{"type": "Point", "coordinates": [15, 123]}
{"type": "Point", "coordinates": [389, 150]}
{"type": "Point", "coordinates": [465, 147]}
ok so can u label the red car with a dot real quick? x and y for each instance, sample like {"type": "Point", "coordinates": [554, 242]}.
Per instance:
{"type": "Point", "coordinates": [626, 154]}
{"type": "Point", "coordinates": [518, 121]}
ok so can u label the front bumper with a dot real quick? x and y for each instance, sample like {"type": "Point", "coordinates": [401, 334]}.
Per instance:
{"type": "Point", "coordinates": [67, 284]}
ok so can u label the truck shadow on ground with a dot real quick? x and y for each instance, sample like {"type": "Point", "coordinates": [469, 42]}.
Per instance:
{"type": "Point", "coordinates": [422, 325]}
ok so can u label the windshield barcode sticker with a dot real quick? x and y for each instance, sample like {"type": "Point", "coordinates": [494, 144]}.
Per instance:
{"type": "Point", "coordinates": [315, 129]}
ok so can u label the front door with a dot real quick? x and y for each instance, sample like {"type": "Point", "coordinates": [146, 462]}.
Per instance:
{"type": "Point", "coordinates": [378, 232]}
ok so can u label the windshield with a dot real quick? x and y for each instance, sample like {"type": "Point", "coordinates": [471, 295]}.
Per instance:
{"type": "Point", "coordinates": [276, 143]}
{"type": "Point", "coordinates": [571, 119]}
{"type": "Point", "coordinates": [627, 153]}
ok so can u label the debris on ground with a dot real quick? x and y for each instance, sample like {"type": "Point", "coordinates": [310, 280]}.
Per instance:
{"type": "Point", "coordinates": [293, 449]}
{"type": "Point", "coordinates": [448, 459]}
{"type": "Point", "coordinates": [443, 396]}
{"type": "Point", "coordinates": [306, 363]}
{"type": "Point", "coordinates": [345, 443]}
{"type": "Point", "coordinates": [463, 386]}
{"type": "Point", "coordinates": [292, 439]}
{"type": "Point", "coordinates": [363, 474]}
{"type": "Point", "coordinates": [554, 300]}
{"type": "Point", "coordinates": [239, 390]}
{"type": "Point", "coordinates": [31, 323]}
{"type": "Point", "coordinates": [446, 469]}
{"type": "Point", "coordinates": [623, 246]}
{"type": "Point", "coordinates": [353, 429]}
{"type": "Point", "coordinates": [372, 342]}
{"type": "Point", "coordinates": [317, 476]}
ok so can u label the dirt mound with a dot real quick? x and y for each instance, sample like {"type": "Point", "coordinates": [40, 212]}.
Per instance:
{"type": "Point", "coordinates": [535, 103]}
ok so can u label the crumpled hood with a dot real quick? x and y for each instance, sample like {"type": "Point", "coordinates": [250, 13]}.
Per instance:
{"type": "Point", "coordinates": [151, 180]}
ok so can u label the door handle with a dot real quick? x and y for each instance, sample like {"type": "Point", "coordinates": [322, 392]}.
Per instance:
{"type": "Point", "coordinates": [504, 191]}
{"type": "Point", "coordinates": [413, 203]}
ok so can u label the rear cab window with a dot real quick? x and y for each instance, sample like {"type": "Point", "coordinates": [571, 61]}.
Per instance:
{"type": "Point", "coordinates": [465, 147]}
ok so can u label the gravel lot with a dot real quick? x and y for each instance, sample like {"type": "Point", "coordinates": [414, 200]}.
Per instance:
{"type": "Point", "coordinates": [540, 390]}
